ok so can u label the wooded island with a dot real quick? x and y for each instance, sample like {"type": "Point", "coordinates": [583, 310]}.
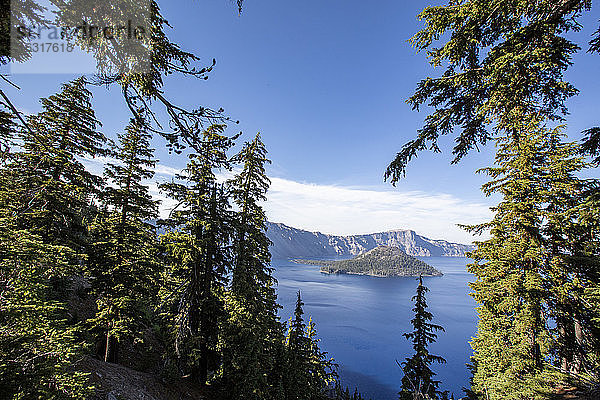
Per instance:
{"type": "Point", "coordinates": [382, 261]}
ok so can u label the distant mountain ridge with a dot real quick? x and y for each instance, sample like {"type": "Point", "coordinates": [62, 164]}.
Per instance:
{"type": "Point", "coordinates": [291, 242]}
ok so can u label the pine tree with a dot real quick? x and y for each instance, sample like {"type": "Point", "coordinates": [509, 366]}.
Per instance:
{"type": "Point", "coordinates": [7, 128]}
{"type": "Point", "coordinates": [538, 267]}
{"type": "Point", "coordinates": [308, 372]}
{"type": "Point", "coordinates": [58, 191]}
{"type": "Point", "coordinates": [344, 394]}
{"type": "Point", "coordinates": [512, 341]}
{"type": "Point", "coordinates": [418, 382]}
{"type": "Point", "coordinates": [536, 270]}
{"type": "Point", "coordinates": [253, 329]}
{"type": "Point", "coordinates": [322, 370]}
{"type": "Point", "coordinates": [564, 238]}
{"type": "Point", "coordinates": [39, 343]}
{"type": "Point", "coordinates": [297, 345]}
{"type": "Point", "coordinates": [46, 198]}
{"type": "Point", "coordinates": [123, 257]}
{"type": "Point", "coordinates": [571, 230]}
{"type": "Point", "coordinates": [198, 240]}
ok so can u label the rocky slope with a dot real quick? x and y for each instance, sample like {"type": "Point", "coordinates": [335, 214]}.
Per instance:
{"type": "Point", "coordinates": [116, 382]}
{"type": "Point", "coordinates": [291, 242]}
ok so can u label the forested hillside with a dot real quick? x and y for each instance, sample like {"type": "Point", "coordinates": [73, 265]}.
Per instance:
{"type": "Point", "coordinates": [85, 274]}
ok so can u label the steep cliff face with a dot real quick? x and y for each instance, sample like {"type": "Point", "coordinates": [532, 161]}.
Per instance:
{"type": "Point", "coordinates": [290, 242]}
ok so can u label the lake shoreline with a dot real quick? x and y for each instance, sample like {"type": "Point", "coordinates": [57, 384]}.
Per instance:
{"type": "Point", "coordinates": [326, 272]}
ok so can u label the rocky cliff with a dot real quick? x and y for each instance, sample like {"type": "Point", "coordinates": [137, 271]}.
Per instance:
{"type": "Point", "coordinates": [290, 242]}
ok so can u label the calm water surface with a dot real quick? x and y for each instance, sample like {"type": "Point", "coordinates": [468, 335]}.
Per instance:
{"type": "Point", "coordinates": [360, 320]}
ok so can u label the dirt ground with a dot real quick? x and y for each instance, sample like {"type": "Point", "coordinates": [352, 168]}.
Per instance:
{"type": "Point", "coordinates": [115, 382]}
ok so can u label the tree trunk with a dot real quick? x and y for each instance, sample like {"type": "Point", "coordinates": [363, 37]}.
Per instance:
{"type": "Point", "coordinates": [564, 348]}
{"type": "Point", "coordinates": [579, 351]}
{"type": "Point", "coordinates": [107, 345]}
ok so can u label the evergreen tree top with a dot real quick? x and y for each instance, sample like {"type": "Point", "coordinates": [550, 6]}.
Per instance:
{"type": "Point", "coordinates": [135, 164]}
{"type": "Point", "coordinates": [298, 321]}
{"type": "Point", "coordinates": [68, 122]}
{"type": "Point", "coordinates": [423, 332]}
{"type": "Point", "coordinates": [503, 61]}
{"type": "Point", "coordinates": [252, 182]}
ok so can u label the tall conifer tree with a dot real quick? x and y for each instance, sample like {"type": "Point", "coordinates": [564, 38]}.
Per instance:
{"type": "Point", "coordinates": [46, 202]}
{"type": "Point", "coordinates": [297, 345]}
{"type": "Point", "coordinates": [565, 240]}
{"type": "Point", "coordinates": [418, 382]}
{"type": "Point", "coordinates": [308, 372]}
{"type": "Point", "coordinates": [198, 239]}
{"type": "Point", "coordinates": [512, 342]}
{"type": "Point", "coordinates": [123, 258]}
{"type": "Point", "coordinates": [571, 230]}
{"type": "Point", "coordinates": [58, 191]}
{"type": "Point", "coordinates": [253, 329]}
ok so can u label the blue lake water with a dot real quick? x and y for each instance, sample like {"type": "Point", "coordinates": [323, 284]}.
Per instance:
{"type": "Point", "coordinates": [360, 321]}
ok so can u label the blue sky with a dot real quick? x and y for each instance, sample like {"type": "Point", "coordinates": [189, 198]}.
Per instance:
{"type": "Point", "coordinates": [325, 82]}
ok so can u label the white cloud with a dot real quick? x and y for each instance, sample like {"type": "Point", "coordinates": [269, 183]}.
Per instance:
{"type": "Point", "coordinates": [96, 165]}
{"type": "Point", "coordinates": [347, 210]}
{"type": "Point", "coordinates": [161, 169]}
{"type": "Point", "coordinates": [166, 204]}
